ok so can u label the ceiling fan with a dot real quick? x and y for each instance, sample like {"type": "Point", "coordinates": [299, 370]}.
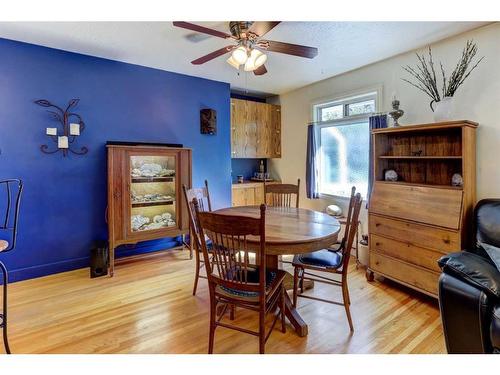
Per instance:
{"type": "Point", "coordinates": [249, 48]}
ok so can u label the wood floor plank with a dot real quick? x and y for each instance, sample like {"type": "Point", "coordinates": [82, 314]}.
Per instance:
{"type": "Point", "coordinates": [148, 308]}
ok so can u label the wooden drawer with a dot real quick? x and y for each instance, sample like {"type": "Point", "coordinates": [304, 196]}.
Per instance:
{"type": "Point", "coordinates": [424, 204]}
{"type": "Point", "coordinates": [404, 251]}
{"type": "Point", "coordinates": [405, 273]}
{"type": "Point", "coordinates": [441, 240]}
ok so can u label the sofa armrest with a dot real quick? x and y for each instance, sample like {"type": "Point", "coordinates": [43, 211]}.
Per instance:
{"type": "Point", "coordinates": [473, 270]}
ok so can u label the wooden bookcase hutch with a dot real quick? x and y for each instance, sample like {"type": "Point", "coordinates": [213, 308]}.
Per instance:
{"type": "Point", "coordinates": [144, 194]}
{"type": "Point", "coordinates": [420, 217]}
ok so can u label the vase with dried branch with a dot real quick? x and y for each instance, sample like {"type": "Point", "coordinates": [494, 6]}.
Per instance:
{"type": "Point", "coordinates": [426, 79]}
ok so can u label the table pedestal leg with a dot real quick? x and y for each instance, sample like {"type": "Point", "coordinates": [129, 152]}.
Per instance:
{"type": "Point", "coordinates": [291, 313]}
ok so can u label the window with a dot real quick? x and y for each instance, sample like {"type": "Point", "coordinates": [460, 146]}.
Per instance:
{"type": "Point", "coordinates": [343, 141]}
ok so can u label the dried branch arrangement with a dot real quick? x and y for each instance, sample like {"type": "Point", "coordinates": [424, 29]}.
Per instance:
{"type": "Point", "coordinates": [425, 73]}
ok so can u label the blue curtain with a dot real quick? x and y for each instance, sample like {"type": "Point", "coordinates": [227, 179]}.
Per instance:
{"type": "Point", "coordinates": [376, 122]}
{"type": "Point", "coordinates": [312, 181]}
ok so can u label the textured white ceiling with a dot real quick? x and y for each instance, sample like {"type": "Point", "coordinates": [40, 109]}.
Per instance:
{"type": "Point", "coordinates": [343, 46]}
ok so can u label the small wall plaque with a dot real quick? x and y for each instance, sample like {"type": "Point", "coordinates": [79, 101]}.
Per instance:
{"type": "Point", "coordinates": [208, 121]}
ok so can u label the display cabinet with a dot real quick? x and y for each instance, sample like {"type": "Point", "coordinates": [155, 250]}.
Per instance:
{"type": "Point", "coordinates": [144, 193]}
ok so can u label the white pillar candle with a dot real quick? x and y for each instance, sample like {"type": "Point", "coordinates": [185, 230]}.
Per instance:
{"type": "Point", "coordinates": [74, 129]}
{"type": "Point", "coordinates": [62, 142]}
{"type": "Point", "coordinates": [51, 131]}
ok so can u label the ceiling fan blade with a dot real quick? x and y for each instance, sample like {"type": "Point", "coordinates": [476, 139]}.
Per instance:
{"type": "Point", "coordinates": [202, 29]}
{"type": "Point", "coordinates": [212, 55]}
{"type": "Point", "coordinates": [261, 70]}
{"type": "Point", "coordinates": [262, 27]}
{"type": "Point", "coordinates": [291, 49]}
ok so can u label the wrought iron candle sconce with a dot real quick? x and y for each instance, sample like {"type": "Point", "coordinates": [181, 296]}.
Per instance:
{"type": "Point", "coordinates": [71, 126]}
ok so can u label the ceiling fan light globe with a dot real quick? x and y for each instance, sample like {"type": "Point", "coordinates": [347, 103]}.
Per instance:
{"type": "Point", "coordinates": [240, 55]}
{"type": "Point", "coordinates": [260, 60]}
{"type": "Point", "coordinates": [231, 61]}
{"type": "Point", "coordinates": [255, 60]}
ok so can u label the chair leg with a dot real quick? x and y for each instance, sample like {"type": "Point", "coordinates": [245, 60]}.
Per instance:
{"type": "Point", "coordinates": [190, 245]}
{"type": "Point", "coordinates": [345, 295]}
{"type": "Point", "coordinates": [295, 285]}
{"type": "Point", "coordinates": [262, 330]}
{"type": "Point", "coordinates": [302, 281]}
{"type": "Point", "coordinates": [282, 309]}
{"type": "Point", "coordinates": [197, 272]}
{"type": "Point", "coordinates": [212, 327]}
{"type": "Point", "coordinates": [231, 312]}
{"type": "Point", "coordinates": [4, 312]}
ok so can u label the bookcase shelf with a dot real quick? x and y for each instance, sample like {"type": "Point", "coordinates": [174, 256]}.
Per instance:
{"type": "Point", "coordinates": [415, 220]}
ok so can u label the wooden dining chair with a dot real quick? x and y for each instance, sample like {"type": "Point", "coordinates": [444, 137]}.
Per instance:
{"type": "Point", "coordinates": [328, 261]}
{"type": "Point", "coordinates": [235, 280]}
{"type": "Point", "coordinates": [202, 196]}
{"type": "Point", "coordinates": [282, 195]}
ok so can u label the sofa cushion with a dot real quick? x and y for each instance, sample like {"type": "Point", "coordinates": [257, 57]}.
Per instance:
{"type": "Point", "coordinates": [493, 253]}
{"type": "Point", "coordinates": [495, 328]}
{"type": "Point", "coordinates": [472, 269]}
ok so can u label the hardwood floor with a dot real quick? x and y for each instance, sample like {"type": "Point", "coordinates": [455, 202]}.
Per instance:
{"type": "Point", "coordinates": [147, 307]}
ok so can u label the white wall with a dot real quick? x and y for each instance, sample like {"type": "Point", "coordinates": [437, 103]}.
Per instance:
{"type": "Point", "coordinates": [478, 100]}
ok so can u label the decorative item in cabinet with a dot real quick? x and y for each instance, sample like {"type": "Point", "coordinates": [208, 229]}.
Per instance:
{"type": "Point", "coordinates": [144, 183]}
{"type": "Point", "coordinates": [415, 220]}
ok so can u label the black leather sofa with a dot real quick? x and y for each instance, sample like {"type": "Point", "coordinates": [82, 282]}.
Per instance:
{"type": "Point", "coordinates": [469, 287]}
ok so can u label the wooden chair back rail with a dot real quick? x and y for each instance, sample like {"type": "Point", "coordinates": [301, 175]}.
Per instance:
{"type": "Point", "coordinates": [231, 256]}
{"type": "Point", "coordinates": [281, 195]}
{"type": "Point", "coordinates": [348, 217]}
{"type": "Point", "coordinates": [353, 228]}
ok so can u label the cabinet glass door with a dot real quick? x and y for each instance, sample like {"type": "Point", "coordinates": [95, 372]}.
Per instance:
{"type": "Point", "coordinates": [152, 192]}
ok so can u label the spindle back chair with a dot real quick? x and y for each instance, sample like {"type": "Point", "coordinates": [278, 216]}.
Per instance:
{"type": "Point", "coordinates": [202, 196]}
{"type": "Point", "coordinates": [235, 276]}
{"type": "Point", "coordinates": [282, 195]}
{"type": "Point", "coordinates": [326, 260]}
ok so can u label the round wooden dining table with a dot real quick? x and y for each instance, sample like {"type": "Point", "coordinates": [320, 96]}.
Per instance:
{"type": "Point", "coordinates": [290, 230]}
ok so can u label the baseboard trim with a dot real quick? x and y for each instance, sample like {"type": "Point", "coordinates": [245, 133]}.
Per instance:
{"type": "Point", "coordinates": [76, 263]}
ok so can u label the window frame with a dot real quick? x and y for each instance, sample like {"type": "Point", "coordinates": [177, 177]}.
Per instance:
{"type": "Point", "coordinates": [374, 93]}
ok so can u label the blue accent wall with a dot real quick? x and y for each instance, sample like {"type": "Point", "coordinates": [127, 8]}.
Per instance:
{"type": "Point", "coordinates": [64, 201]}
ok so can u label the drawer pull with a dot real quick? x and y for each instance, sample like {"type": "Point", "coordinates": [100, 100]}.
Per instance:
{"type": "Point", "coordinates": [377, 243]}
{"type": "Point", "coordinates": [446, 241]}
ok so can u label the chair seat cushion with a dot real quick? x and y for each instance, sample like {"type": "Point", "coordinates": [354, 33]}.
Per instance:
{"type": "Point", "coordinates": [3, 245]}
{"type": "Point", "coordinates": [274, 278]}
{"type": "Point", "coordinates": [322, 258]}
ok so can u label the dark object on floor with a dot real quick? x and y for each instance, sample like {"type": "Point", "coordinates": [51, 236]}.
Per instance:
{"type": "Point", "coordinates": [469, 288]}
{"type": "Point", "coordinates": [8, 229]}
{"type": "Point", "coordinates": [99, 258]}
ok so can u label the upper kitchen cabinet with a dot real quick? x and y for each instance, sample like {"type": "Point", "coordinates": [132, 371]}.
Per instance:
{"type": "Point", "coordinates": [255, 129]}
